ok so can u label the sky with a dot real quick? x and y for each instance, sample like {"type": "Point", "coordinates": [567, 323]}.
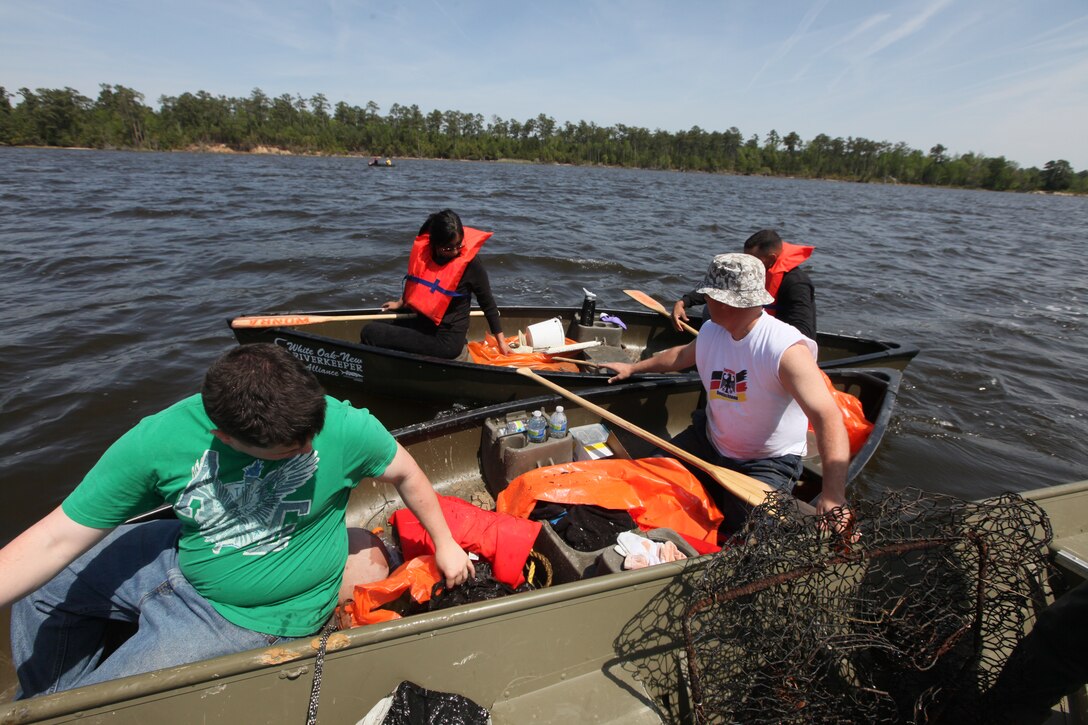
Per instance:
{"type": "Point", "coordinates": [993, 77]}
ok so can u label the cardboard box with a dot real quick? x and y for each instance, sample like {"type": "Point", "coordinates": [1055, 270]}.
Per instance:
{"type": "Point", "coordinates": [596, 441]}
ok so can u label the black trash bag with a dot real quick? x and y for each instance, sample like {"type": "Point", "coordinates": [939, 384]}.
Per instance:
{"type": "Point", "coordinates": [415, 705]}
{"type": "Point", "coordinates": [481, 587]}
{"type": "Point", "coordinates": [588, 528]}
{"type": "Point", "coordinates": [548, 511]}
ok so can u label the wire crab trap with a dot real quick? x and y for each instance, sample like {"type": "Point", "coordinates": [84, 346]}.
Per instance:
{"type": "Point", "coordinates": [910, 621]}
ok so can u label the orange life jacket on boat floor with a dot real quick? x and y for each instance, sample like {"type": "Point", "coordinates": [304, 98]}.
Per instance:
{"type": "Point", "coordinates": [502, 539]}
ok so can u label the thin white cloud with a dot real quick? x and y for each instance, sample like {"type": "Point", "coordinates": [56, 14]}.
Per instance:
{"type": "Point", "coordinates": [827, 48]}
{"type": "Point", "coordinates": [907, 29]}
{"type": "Point", "coordinates": [784, 48]}
{"type": "Point", "coordinates": [1047, 80]}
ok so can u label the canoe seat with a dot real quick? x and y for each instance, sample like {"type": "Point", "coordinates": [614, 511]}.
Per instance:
{"type": "Point", "coordinates": [505, 457]}
{"type": "Point", "coordinates": [1071, 554]}
{"type": "Point", "coordinates": [607, 354]}
{"type": "Point", "coordinates": [605, 695]}
{"type": "Point", "coordinates": [607, 333]}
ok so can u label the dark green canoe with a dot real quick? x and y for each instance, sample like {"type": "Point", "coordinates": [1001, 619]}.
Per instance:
{"type": "Point", "coordinates": [370, 375]}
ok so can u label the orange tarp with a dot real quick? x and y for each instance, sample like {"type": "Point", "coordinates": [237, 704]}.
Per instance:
{"type": "Point", "coordinates": [416, 576]}
{"type": "Point", "coordinates": [487, 353]}
{"type": "Point", "coordinates": [657, 492]}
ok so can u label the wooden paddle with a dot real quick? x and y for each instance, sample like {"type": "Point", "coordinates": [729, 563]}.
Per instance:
{"type": "Point", "coordinates": [292, 320]}
{"type": "Point", "coordinates": [743, 487]}
{"type": "Point", "coordinates": [576, 361]}
{"type": "Point", "coordinates": [646, 300]}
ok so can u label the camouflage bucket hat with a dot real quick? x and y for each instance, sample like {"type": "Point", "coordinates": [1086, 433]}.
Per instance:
{"type": "Point", "coordinates": [737, 280]}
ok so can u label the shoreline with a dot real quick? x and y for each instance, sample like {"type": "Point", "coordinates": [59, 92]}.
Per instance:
{"type": "Point", "coordinates": [264, 150]}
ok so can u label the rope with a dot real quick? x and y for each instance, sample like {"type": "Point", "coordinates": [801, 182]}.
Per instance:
{"type": "Point", "coordinates": [535, 558]}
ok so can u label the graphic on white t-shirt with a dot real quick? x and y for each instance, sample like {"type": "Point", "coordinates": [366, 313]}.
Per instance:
{"type": "Point", "coordinates": [729, 385]}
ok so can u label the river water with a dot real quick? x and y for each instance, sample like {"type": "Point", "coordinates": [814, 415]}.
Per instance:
{"type": "Point", "coordinates": [120, 271]}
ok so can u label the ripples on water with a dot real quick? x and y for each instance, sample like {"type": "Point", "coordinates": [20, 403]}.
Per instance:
{"type": "Point", "coordinates": [121, 270]}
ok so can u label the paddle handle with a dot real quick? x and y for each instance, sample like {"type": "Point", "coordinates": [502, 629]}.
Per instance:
{"type": "Point", "coordinates": [744, 487]}
{"type": "Point", "coordinates": [647, 301]}
{"type": "Point", "coordinates": [292, 320]}
{"type": "Point", "coordinates": [576, 361]}
{"type": "Point", "coordinates": [687, 327]}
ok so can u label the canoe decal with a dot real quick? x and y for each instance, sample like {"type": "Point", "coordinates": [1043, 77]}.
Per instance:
{"type": "Point", "coordinates": [324, 361]}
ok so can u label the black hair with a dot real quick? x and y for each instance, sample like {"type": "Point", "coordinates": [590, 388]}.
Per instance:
{"type": "Point", "coordinates": [444, 227]}
{"type": "Point", "coordinates": [264, 396]}
{"type": "Point", "coordinates": [765, 241]}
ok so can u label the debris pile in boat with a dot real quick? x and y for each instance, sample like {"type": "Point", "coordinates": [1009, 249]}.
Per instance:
{"type": "Point", "coordinates": [909, 623]}
{"type": "Point", "coordinates": [479, 588]}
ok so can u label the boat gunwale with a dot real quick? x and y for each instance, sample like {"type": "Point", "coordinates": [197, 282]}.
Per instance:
{"type": "Point", "coordinates": [894, 350]}
{"type": "Point", "coordinates": [214, 672]}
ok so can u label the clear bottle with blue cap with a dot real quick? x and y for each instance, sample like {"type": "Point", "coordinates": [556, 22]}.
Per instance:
{"type": "Point", "coordinates": [557, 424]}
{"type": "Point", "coordinates": [537, 427]}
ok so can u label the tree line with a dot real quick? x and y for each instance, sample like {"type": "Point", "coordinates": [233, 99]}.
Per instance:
{"type": "Point", "coordinates": [119, 119]}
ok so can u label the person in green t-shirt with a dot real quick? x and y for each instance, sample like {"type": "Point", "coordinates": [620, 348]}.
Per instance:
{"type": "Point", "coordinates": [258, 469]}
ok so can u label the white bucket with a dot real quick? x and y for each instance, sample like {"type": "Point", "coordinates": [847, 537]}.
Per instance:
{"type": "Point", "coordinates": [548, 333]}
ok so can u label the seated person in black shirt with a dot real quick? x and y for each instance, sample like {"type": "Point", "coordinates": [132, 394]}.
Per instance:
{"type": "Point", "coordinates": [443, 274]}
{"type": "Point", "coordinates": [789, 284]}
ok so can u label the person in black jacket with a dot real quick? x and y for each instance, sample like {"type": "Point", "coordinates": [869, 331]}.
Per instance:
{"type": "Point", "coordinates": [440, 331]}
{"type": "Point", "coordinates": [789, 284]}
{"type": "Point", "coordinates": [1048, 664]}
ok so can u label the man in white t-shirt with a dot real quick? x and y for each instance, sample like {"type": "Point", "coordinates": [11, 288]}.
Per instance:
{"type": "Point", "coordinates": [763, 387]}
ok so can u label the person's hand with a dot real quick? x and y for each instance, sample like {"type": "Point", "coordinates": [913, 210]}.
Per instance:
{"type": "Point", "coordinates": [679, 315]}
{"type": "Point", "coordinates": [454, 564]}
{"type": "Point", "coordinates": [837, 516]}
{"type": "Point", "coordinates": [504, 346]}
{"type": "Point", "coordinates": [392, 305]}
{"type": "Point", "coordinates": [623, 371]}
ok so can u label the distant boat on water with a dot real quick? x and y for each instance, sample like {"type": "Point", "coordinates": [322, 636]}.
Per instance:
{"type": "Point", "coordinates": [376, 161]}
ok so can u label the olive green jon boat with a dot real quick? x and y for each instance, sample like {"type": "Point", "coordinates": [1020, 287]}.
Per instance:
{"type": "Point", "coordinates": [591, 650]}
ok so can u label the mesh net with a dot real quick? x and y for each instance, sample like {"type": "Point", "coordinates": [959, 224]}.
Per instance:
{"type": "Point", "coordinates": [909, 623]}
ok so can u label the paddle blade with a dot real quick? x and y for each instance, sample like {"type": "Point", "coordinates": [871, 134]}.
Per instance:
{"type": "Point", "coordinates": [274, 320]}
{"type": "Point", "coordinates": [646, 300]}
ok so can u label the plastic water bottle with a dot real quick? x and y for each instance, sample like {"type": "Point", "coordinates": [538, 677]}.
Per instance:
{"type": "Point", "coordinates": [537, 427]}
{"type": "Point", "coordinates": [557, 424]}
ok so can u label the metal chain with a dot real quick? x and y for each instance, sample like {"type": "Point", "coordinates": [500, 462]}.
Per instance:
{"type": "Point", "coordinates": [319, 665]}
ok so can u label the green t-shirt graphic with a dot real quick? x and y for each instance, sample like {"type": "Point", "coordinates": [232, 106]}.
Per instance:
{"type": "Point", "coordinates": [263, 541]}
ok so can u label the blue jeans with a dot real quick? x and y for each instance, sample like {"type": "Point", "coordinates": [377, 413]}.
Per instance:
{"type": "Point", "coordinates": [60, 633]}
{"type": "Point", "coordinates": [781, 472]}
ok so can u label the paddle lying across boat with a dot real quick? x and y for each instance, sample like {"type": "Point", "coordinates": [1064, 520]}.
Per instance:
{"type": "Point", "coordinates": [328, 343]}
{"type": "Point", "coordinates": [504, 653]}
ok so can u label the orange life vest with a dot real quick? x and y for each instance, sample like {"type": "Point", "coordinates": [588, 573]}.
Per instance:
{"type": "Point", "coordinates": [430, 286]}
{"type": "Point", "coordinates": [793, 255]}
